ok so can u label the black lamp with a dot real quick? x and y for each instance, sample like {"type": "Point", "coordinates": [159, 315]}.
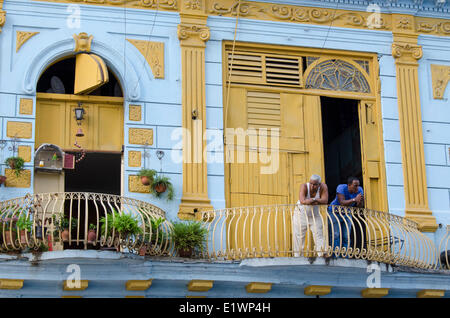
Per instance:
{"type": "Point", "coordinates": [79, 113]}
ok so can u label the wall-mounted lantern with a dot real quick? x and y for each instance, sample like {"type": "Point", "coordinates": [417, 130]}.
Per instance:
{"type": "Point", "coordinates": [79, 116]}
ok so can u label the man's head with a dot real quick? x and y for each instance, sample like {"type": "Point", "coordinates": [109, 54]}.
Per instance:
{"type": "Point", "coordinates": [353, 184]}
{"type": "Point", "coordinates": [314, 181]}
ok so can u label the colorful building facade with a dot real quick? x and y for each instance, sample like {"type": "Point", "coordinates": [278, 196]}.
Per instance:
{"type": "Point", "coordinates": [168, 85]}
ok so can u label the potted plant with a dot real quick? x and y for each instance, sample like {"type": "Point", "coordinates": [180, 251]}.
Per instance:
{"type": "Point", "coordinates": [24, 224]}
{"type": "Point", "coordinates": [147, 176]}
{"type": "Point", "coordinates": [2, 179]}
{"type": "Point", "coordinates": [63, 226]}
{"type": "Point", "coordinates": [92, 233]}
{"type": "Point", "coordinates": [162, 184]}
{"type": "Point", "coordinates": [126, 225]}
{"type": "Point", "coordinates": [188, 237]}
{"type": "Point", "coordinates": [15, 163]}
{"type": "Point", "coordinates": [10, 230]}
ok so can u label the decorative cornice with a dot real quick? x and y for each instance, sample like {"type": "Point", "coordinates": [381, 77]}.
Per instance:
{"type": "Point", "coordinates": [355, 14]}
{"type": "Point", "coordinates": [440, 76]}
{"type": "Point", "coordinates": [22, 37]}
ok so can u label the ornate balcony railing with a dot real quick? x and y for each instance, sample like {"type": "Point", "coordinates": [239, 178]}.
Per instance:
{"type": "Point", "coordinates": [289, 231]}
{"type": "Point", "coordinates": [93, 220]}
{"type": "Point", "coordinates": [444, 247]}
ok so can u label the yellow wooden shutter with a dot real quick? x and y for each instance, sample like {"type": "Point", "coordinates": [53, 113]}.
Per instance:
{"type": "Point", "coordinates": [90, 73]}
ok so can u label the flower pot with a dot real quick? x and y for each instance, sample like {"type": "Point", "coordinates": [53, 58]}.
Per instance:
{"type": "Point", "coordinates": [185, 252]}
{"type": "Point", "coordinates": [2, 179]}
{"type": "Point", "coordinates": [160, 188]}
{"type": "Point", "coordinates": [91, 236]}
{"type": "Point", "coordinates": [8, 237]}
{"type": "Point", "coordinates": [145, 180]}
{"type": "Point", "coordinates": [65, 235]}
{"type": "Point", "coordinates": [23, 237]}
{"type": "Point", "coordinates": [143, 250]}
{"type": "Point", "coordinates": [12, 164]}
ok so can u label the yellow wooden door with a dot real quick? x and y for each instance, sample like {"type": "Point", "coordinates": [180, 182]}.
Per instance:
{"type": "Point", "coordinates": [102, 124]}
{"type": "Point", "coordinates": [377, 226]}
{"type": "Point", "coordinates": [287, 126]}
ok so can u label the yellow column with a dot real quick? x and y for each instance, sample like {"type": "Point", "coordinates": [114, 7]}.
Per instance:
{"type": "Point", "coordinates": [407, 53]}
{"type": "Point", "coordinates": [193, 35]}
{"type": "Point", "coordinates": [2, 16]}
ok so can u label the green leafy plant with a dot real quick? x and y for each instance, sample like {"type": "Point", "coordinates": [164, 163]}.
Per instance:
{"type": "Point", "coordinates": [157, 235]}
{"type": "Point", "coordinates": [162, 184]}
{"type": "Point", "coordinates": [107, 221]}
{"type": "Point", "coordinates": [149, 173]}
{"type": "Point", "coordinates": [126, 224]}
{"type": "Point", "coordinates": [188, 235]}
{"type": "Point", "coordinates": [62, 222]}
{"type": "Point", "coordinates": [16, 163]}
{"type": "Point", "coordinates": [24, 223]}
{"type": "Point", "coordinates": [92, 227]}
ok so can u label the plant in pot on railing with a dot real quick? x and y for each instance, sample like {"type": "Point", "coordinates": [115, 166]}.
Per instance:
{"type": "Point", "coordinates": [24, 224]}
{"type": "Point", "coordinates": [188, 237]}
{"type": "Point", "coordinates": [154, 235]}
{"type": "Point", "coordinates": [147, 176]}
{"type": "Point", "coordinates": [92, 233]}
{"type": "Point", "coordinates": [10, 230]}
{"type": "Point", "coordinates": [15, 163]}
{"type": "Point", "coordinates": [162, 184]}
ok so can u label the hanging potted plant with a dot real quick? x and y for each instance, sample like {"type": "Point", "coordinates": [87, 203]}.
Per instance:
{"type": "Point", "coordinates": [2, 179]}
{"type": "Point", "coordinates": [188, 237]}
{"type": "Point", "coordinates": [24, 224]}
{"type": "Point", "coordinates": [10, 230]}
{"type": "Point", "coordinates": [92, 233]}
{"type": "Point", "coordinates": [162, 184]}
{"type": "Point", "coordinates": [147, 176]}
{"type": "Point", "coordinates": [15, 163]}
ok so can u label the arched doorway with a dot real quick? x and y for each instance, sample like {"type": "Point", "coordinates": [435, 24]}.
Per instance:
{"type": "Point", "coordinates": [81, 81]}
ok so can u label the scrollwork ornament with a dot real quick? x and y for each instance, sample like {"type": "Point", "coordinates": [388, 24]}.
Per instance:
{"type": "Point", "coordinates": [187, 31]}
{"type": "Point", "coordinates": [2, 18]}
{"type": "Point", "coordinates": [401, 50]}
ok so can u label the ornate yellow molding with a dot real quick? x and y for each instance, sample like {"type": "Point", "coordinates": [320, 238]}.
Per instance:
{"type": "Point", "coordinates": [83, 284]}
{"type": "Point", "coordinates": [440, 75]}
{"type": "Point", "coordinates": [22, 37]}
{"type": "Point", "coordinates": [135, 113]}
{"type": "Point", "coordinates": [193, 34]}
{"type": "Point", "coordinates": [82, 42]}
{"type": "Point", "coordinates": [406, 54]}
{"type": "Point", "coordinates": [134, 158]}
{"type": "Point", "coordinates": [26, 106]}
{"type": "Point", "coordinates": [2, 16]}
{"type": "Point", "coordinates": [283, 13]}
{"type": "Point", "coordinates": [23, 180]}
{"type": "Point", "coordinates": [430, 293]}
{"type": "Point", "coordinates": [153, 53]}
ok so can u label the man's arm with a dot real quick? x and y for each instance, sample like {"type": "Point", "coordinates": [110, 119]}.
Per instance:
{"type": "Point", "coordinates": [302, 195]}
{"type": "Point", "coordinates": [324, 195]}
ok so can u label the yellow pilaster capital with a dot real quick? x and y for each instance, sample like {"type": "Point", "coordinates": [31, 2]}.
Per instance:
{"type": "Point", "coordinates": [2, 18]}
{"type": "Point", "coordinates": [317, 290]}
{"type": "Point", "coordinates": [256, 287]}
{"type": "Point", "coordinates": [193, 34]}
{"type": "Point", "coordinates": [11, 283]}
{"type": "Point", "coordinates": [430, 293]}
{"type": "Point", "coordinates": [200, 285]}
{"type": "Point", "coordinates": [406, 53]}
{"type": "Point", "coordinates": [374, 292]}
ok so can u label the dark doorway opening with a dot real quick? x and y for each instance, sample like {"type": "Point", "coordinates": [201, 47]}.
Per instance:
{"type": "Point", "coordinates": [98, 173]}
{"type": "Point", "coordinates": [341, 142]}
{"type": "Point", "coordinates": [342, 151]}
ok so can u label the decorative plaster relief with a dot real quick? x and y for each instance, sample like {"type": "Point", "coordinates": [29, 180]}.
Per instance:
{"type": "Point", "coordinates": [440, 75]}
{"type": "Point", "coordinates": [82, 42]}
{"type": "Point", "coordinates": [153, 53]}
{"type": "Point", "coordinates": [21, 181]}
{"type": "Point", "coordinates": [22, 37]}
{"type": "Point", "coordinates": [135, 185]}
{"type": "Point", "coordinates": [135, 112]}
{"type": "Point", "coordinates": [19, 129]}
{"type": "Point", "coordinates": [134, 158]}
{"type": "Point", "coordinates": [26, 106]}
{"type": "Point", "coordinates": [25, 153]}
{"type": "Point", "coordinates": [140, 136]}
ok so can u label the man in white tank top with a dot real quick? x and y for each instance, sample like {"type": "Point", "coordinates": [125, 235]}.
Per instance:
{"type": "Point", "coordinates": [307, 215]}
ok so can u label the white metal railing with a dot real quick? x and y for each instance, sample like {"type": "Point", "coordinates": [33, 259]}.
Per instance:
{"type": "Point", "coordinates": [297, 230]}
{"type": "Point", "coordinates": [37, 221]}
